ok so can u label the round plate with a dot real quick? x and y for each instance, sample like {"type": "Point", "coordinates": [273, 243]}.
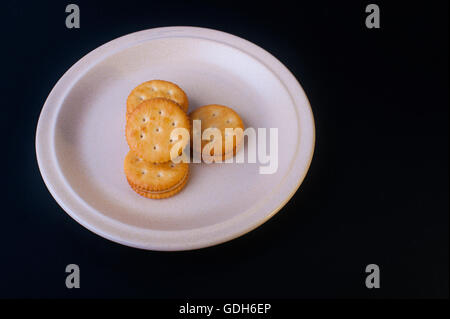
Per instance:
{"type": "Point", "coordinates": [80, 138]}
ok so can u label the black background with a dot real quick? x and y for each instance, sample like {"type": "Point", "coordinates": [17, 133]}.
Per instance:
{"type": "Point", "coordinates": [377, 190]}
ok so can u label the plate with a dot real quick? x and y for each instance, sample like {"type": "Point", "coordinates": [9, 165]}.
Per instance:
{"type": "Point", "coordinates": [80, 138]}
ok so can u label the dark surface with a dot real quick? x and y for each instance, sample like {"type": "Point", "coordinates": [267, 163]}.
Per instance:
{"type": "Point", "coordinates": [377, 190]}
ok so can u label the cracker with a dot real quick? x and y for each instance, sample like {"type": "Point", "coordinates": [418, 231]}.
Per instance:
{"type": "Point", "coordinates": [154, 89]}
{"type": "Point", "coordinates": [148, 129]}
{"type": "Point", "coordinates": [161, 194]}
{"type": "Point", "coordinates": [146, 176]}
{"type": "Point", "coordinates": [220, 117]}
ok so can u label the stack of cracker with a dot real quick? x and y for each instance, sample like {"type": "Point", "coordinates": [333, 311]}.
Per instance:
{"type": "Point", "coordinates": [154, 109]}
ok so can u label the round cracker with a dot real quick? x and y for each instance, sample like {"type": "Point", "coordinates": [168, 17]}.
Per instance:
{"type": "Point", "coordinates": [219, 117]}
{"type": "Point", "coordinates": [161, 195]}
{"type": "Point", "coordinates": [149, 127]}
{"type": "Point", "coordinates": [153, 89]}
{"type": "Point", "coordinates": [146, 176]}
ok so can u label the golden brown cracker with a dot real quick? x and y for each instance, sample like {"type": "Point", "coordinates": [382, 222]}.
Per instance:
{"type": "Point", "coordinates": [161, 194]}
{"type": "Point", "coordinates": [149, 127]}
{"type": "Point", "coordinates": [219, 117]}
{"type": "Point", "coordinates": [147, 176]}
{"type": "Point", "coordinates": [154, 89]}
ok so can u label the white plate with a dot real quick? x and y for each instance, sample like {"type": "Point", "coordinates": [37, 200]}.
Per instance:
{"type": "Point", "coordinates": [80, 141]}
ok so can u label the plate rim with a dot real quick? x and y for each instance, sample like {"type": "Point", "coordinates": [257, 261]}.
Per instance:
{"type": "Point", "coordinates": [73, 74]}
